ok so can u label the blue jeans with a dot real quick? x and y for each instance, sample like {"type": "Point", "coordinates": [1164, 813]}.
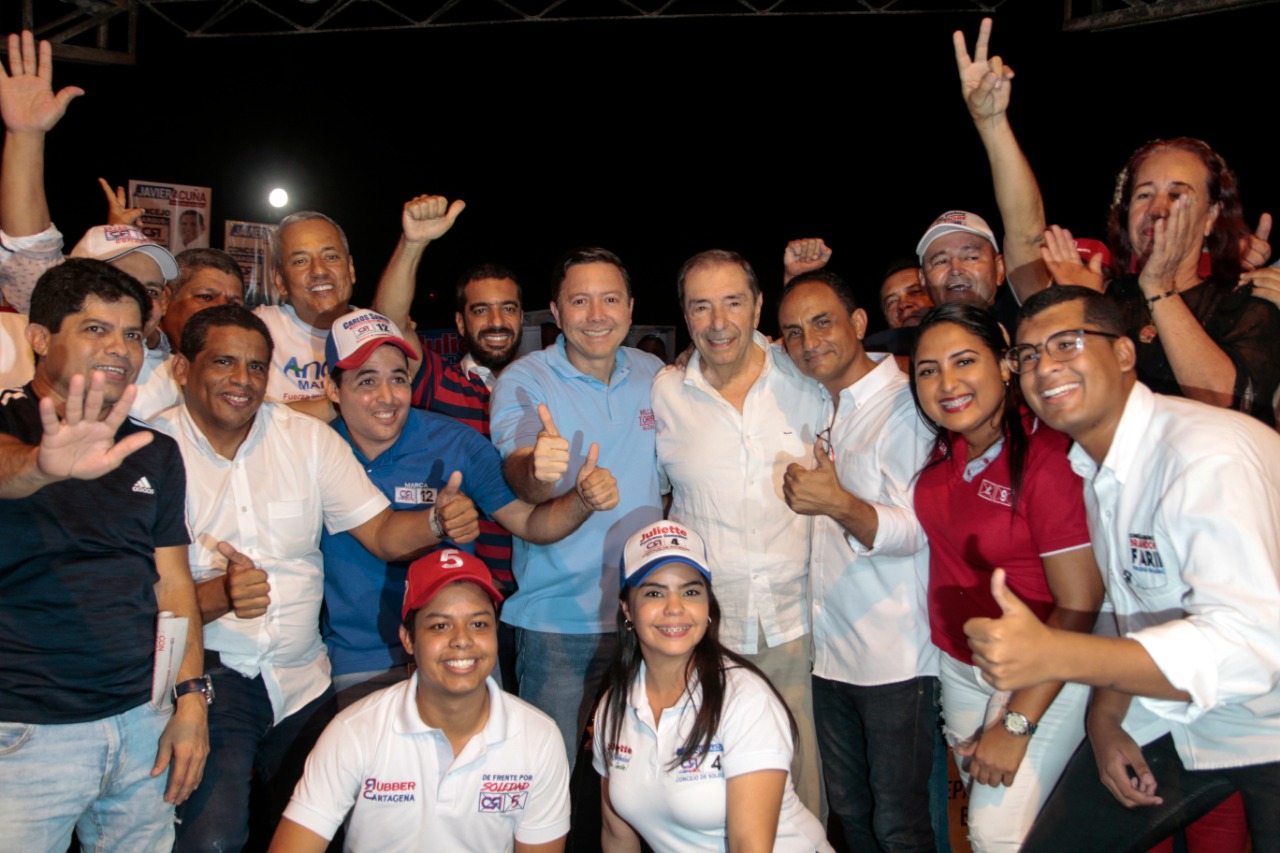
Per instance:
{"type": "Point", "coordinates": [560, 675]}
{"type": "Point", "coordinates": [244, 746]}
{"type": "Point", "coordinates": [93, 777]}
{"type": "Point", "coordinates": [877, 747]}
{"type": "Point", "coordinates": [1081, 814]}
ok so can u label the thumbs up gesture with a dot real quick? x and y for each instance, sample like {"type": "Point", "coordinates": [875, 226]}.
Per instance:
{"type": "Point", "coordinates": [816, 491]}
{"type": "Point", "coordinates": [596, 486]}
{"type": "Point", "coordinates": [1011, 651]}
{"type": "Point", "coordinates": [551, 452]}
{"type": "Point", "coordinates": [456, 513]}
{"type": "Point", "coordinates": [247, 586]}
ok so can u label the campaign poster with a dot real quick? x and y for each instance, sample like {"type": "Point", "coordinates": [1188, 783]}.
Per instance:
{"type": "Point", "coordinates": [250, 244]}
{"type": "Point", "coordinates": [177, 216]}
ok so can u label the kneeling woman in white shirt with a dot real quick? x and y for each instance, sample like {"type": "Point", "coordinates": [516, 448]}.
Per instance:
{"type": "Point", "coordinates": [692, 743]}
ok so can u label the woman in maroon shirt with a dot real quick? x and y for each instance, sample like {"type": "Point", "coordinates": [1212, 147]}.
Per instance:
{"type": "Point", "coordinates": [998, 492]}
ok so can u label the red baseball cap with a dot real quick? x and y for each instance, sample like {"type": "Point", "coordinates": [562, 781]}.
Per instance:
{"type": "Point", "coordinates": [429, 574]}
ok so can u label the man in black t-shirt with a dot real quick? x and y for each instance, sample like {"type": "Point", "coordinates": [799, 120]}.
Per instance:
{"type": "Point", "coordinates": [91, 514]}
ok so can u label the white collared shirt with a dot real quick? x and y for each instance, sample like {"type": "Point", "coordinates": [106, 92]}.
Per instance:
{"type": "Point", "coordinates": [406, 791]}
{"type": "Point", "coordinates": [291, 474]}
{"type": "Point", "coordinates": [157, 389]}
{"type": "Point", "coordinates": [484, 374]}
{"type": "Point", "coordinates": [684, 808]}
{"type": "Point", "coordinates": [870, 605]}
{"type": "Point", "coordinates": [725, 468]}
{"type": "Point", "coordinates": [1185, 518]}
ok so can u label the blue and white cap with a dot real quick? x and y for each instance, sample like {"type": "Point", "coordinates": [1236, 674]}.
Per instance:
{"type": "Point", "coordinates": [657, 544]}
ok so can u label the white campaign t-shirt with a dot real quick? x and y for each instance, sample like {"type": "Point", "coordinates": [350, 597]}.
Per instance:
{"type": "Point", "coordinates": [379, 761]}
{"type": "Point", "coordinates": [684, 808]}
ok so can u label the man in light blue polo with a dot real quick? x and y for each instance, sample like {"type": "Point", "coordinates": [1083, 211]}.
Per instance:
{"type": "Point", "coordinates": [548, 408]}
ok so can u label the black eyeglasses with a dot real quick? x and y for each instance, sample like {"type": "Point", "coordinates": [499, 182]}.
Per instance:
{"type": "Point", "coordinates": [1061, 346]}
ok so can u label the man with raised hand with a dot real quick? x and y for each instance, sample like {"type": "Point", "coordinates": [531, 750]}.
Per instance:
{"type": "Point", "coordinates": [490, 321]}
{"type": "Point", "coordinates": [29, 242]}
{"type": "Point", "coordinates": [876, 712]}
{"type": "Point", "coordinates": [263, 480]}
{"type": "Point", "coordinates": [95, 548]}
{"type": "Point", "coordinates": [1183, 502]}
{"type": "Point", "coordinates": [738, 392]}
{"type": "Point", "coordinates": [409, 454]}
{"type": "Point", "coordinates": [598, 392]}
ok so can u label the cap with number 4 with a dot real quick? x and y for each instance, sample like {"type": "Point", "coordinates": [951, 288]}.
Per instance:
{"type": "Point", "coordinates": [429, 574]}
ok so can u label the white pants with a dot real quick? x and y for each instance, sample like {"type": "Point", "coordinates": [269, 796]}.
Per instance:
{"type": "Point", "coordinates": [999, 818]}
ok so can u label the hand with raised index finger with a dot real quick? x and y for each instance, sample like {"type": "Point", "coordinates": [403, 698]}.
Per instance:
{"type": "Point", "coordinates": [551, 451]}
{"type": "Point", "coordinates": [985, 82]}
{"type": "Point", "coordinates": [27, 100]}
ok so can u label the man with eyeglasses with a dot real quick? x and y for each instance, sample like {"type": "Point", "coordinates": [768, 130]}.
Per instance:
{"type": "Point", "coordinates": [875, 671]}
{"type": "Point", "coordinates": [1184, 506]}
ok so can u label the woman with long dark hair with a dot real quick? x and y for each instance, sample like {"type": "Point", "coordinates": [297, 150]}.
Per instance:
{"type": "Point", "coordinates": [692, 744]}
{"type": "Point", "coordinates": [998, 492]}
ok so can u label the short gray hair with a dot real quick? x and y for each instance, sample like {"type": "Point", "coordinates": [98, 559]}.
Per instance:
{"type": "Point", "coordinates": [304, 216]}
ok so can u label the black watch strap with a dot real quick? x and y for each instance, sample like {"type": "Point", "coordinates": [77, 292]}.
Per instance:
{"type": "Point", "coordinates": [203, 684]}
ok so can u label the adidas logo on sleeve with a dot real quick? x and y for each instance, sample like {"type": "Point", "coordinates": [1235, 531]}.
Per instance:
{"type": "Point", "coordinates": [143, 487]}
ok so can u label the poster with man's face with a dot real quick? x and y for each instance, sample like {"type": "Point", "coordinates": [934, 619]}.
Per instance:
{"type": "Point", "coordinates": [175, 215]}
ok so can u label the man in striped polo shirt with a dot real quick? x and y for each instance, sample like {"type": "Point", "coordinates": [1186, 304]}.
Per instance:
{"type": "Point", "coordinates": [490, 320]}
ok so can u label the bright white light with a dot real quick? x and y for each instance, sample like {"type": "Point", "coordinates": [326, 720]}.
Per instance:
{"type": "Point", "coordinates": [278, 197]}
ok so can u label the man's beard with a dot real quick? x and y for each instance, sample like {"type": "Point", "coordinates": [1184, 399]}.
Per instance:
{"type": "Point", "coordinates": [485, 358]}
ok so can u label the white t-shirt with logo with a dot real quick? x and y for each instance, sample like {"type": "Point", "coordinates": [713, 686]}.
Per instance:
{"type": "Point", "coordinates": [684, 808]}
{"type": "Point", "coordinates": [379, 761]}
{"type": "Point", "coordinates": [298, 369]}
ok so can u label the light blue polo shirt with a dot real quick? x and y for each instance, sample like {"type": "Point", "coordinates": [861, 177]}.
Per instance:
{"type": "Point", "coordinates": [571, 587]}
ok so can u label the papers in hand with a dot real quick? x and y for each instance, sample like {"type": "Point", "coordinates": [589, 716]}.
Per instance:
{"type": "Point", "coordinates": [171, 645]}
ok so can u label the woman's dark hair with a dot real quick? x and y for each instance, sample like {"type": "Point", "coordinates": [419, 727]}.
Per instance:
{"type": "Point", "coordinates": [707, 667]}
{"type": "Point", "coordinates": [983, 325]}
{"type": "Point", "coordinates": [1229, 230]}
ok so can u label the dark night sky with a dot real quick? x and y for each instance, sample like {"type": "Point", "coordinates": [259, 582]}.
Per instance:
{"type": "Point", "coordinates": [658, 138]}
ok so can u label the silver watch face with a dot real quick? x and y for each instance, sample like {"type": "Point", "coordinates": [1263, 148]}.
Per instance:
{"type": "Point", "coordinates": [1017, 724]}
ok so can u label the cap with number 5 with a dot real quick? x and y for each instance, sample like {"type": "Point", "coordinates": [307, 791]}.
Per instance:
{"type": "Point", "coordinates": [429, 574]}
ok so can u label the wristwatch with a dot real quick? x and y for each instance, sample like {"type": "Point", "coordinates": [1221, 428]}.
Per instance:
{"type": "Point", "coordinates": [203, 684]}
{"type": "Point", "coordinates": [1018, 724]}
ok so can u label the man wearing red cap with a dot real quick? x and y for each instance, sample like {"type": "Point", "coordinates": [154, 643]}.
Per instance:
{"type": "Point", "coordinates": [410, 454]}
{"type": "Point", "coordinates": [446, 755]}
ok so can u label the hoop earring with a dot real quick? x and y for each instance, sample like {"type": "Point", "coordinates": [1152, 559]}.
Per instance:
{"type": "Point", "coordinates": [709, 623]}
{"type": "Point", "coordinates": [628, 624]}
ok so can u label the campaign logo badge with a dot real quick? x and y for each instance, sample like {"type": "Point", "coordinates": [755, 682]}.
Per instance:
{"type": "Point", "coordinates": [504, 792]}
{"type": "Point", "coordinates": [996, 493]}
